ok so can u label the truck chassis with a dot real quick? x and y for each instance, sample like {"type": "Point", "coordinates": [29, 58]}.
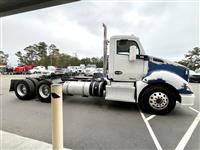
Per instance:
{"type": "Point", "coordinates": [129, 75]}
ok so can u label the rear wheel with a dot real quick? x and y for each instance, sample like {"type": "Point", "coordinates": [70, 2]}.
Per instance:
{"type": "Point", "coordinates": [157, 99]}
{"type": "Point", "coordinates": [44, 91]}
{"type": "Point", "coordinates": [24, 89]}
{"type": "Point", "coordinates": [35, 81]}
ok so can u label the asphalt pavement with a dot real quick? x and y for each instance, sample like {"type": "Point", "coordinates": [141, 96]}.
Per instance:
{"type": "Point", "coordinates": [93, 123]}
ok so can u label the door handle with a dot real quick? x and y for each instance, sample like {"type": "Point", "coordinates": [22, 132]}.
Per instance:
{"type": "Point", "coordinates": [118, 72]}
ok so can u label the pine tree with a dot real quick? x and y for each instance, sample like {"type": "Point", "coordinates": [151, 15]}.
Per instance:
{"type": "Point", "coordinates": [192, 59]}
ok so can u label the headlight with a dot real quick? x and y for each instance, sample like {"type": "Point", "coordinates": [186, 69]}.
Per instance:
{"type": "Point", "coordinates": [189, 88]}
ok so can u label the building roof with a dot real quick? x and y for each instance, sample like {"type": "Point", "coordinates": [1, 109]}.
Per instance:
{"type": "Point", "coordinates": [9, 7]}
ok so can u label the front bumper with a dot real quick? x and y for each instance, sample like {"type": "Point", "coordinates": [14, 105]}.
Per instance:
{"type": "Point", "coordinates": [187, 99]}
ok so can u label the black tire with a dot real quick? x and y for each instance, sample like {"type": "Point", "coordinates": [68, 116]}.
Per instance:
{"type": "Point", "coordinates": [28, 92]}
{"type": "Point", "coordinates": [157, 99]}
{"type": "Point", "coordinates": [42, 96]}
{"type": "Point", "coordinates": [35, 81]}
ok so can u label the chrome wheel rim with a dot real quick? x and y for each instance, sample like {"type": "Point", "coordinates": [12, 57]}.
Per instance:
{"type": "Point", "coordinates": [44, 91]}
{"type": "Point", "coordinates": [21, 89]}
{"type": "Point", "coordinates": [158, 101]}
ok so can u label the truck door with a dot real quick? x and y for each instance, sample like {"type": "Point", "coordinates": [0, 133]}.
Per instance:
{"type": "Point", "coordinates": [125, 70]}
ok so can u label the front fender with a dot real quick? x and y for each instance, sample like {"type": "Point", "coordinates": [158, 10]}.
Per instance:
{"type": "Point", "coordinates": [170, 78]}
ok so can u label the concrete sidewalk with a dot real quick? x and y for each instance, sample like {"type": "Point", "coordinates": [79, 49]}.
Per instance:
{"type": "Point", "coordinates": [9, 141]}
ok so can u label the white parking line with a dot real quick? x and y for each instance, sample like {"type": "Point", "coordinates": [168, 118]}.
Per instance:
{"type": "Point", "coordinates": [150, 117]}
{"type": "Point", "coordinates": [189, 132]}
{"type": "Point", "coordinates": [158, 146]}
{"type": "Point", "coordinates": [194, 109]}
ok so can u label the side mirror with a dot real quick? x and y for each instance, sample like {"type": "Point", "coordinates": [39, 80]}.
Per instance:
{"type": "Point", "coordinates": [132, 53]}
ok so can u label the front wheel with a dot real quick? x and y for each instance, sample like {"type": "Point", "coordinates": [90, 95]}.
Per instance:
{"type": "Point", "coordinates": [157, 99]}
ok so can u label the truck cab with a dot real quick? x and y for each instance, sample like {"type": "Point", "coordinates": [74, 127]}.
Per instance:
{"type": "Point", "coordinates": [123, 64]}
{"type": "Point", "coordinates": [155, 84]}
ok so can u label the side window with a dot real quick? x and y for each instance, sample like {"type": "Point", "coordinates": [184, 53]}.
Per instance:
{"type": "Point", "coordinates": [123, 47]}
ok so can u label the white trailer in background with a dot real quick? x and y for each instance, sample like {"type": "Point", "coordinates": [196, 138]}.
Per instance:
{"type": "Point", "coordinates": [130, 76]}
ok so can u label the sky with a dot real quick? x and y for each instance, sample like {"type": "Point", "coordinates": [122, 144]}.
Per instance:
{"type": "Point", "coordinates": [167, 29]}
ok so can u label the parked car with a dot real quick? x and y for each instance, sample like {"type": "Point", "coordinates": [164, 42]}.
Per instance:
{"type": "Point", "coordinates": [90, 70]}
{"type": "Point", "coordinates": [51, 69]}
{"type": "Point", "coordinates": [9, 70]}
{"type": "Point", "coordinates": [197, 71]}
{"type": "Point", "coordinates": [19, 70]}
{"type": "Point", "coordinates": [99, 70]}
{"type": "Point", "coordinates": [81, 68]}
{"type": "Point", "coordinates": [38, 69]}
{"type": "Point", "coordinates": [194, 77]}
{"type": "Point", "coordinates": [23, 69]}
{"type": "Point", "coordinates": [61, 71]}
{"type": "Point", "coordinates": [73, 69]}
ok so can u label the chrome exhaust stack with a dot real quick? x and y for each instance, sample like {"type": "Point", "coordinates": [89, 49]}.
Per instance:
{"type": "Point", "coordinates": [105, 43]}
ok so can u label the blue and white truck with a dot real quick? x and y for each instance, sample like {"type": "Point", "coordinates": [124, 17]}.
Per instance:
{"type": "Point", "coordinates": [129, 76]}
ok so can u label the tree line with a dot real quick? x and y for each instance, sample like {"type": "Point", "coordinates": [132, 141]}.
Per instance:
{"type": "Point", "coordinates": [3, 58]}
{"type": "Point", "coordinates": [192, 59]}
{"type": "Point", "coordinates": [42, 54]}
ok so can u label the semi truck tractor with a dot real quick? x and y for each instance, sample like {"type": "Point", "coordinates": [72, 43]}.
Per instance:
{"type": "Point", "coordinates": [129, 76]}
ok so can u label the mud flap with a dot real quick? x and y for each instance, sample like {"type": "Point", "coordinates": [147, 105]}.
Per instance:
{"type": "Point", "coordinates": [12, 84]}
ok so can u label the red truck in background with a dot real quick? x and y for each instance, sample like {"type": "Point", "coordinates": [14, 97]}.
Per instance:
{"type": "Point", "coordinates": [23, 69]}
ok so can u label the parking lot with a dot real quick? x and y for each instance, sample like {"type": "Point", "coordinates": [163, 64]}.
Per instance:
{"type": "Point", "coordinates": [93, 123]}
